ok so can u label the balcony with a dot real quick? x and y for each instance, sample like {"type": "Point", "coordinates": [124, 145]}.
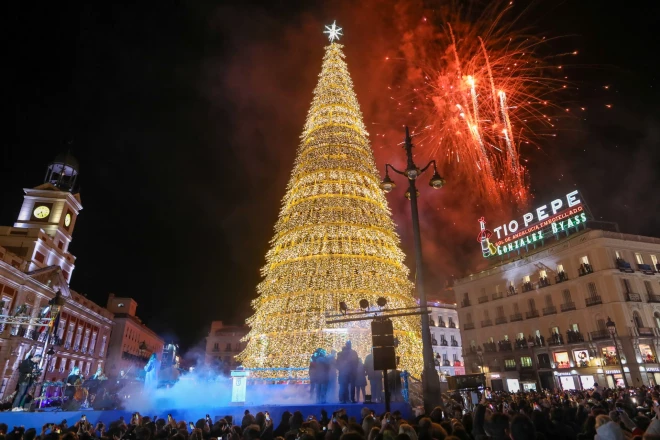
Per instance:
{"type": "Point", "coordinates": [215, 350]}
{"type": "Point", "coordinates": [444, 343]}
{"type": "Point", "coordinates": [633, 297]}
{"type": "Point", "coordinates": [452, 325]}
{"type": "Point", "coordinates": [550, 310]}
{"type": "Point", "coordinates": [555, 339]}
{"type": "Point", "coordinates": [532, 314]}
{"type": "Point", "coordinates": [510, 368]}
{"type": "Point", "coordinates": [593, 300]}
{"type": "Point", "coordinates": [434, 342]}
{"type": "Point", "coordinates": [468, 326]}
{"type": "Point", "coordinates": [500, 320]}
{"type": "Point", "coordinates": [561, 277]}
{"type": "Point", "coordinates": [515, 317]}
{"type": "Point", "coordinates": [645, 331]}
{"type": "Point", "coordinates": [512, 291]}
{"type": "Point", "coordinates": [527, 287]}
{"type": "Point", "coordinates": [544, 282]}
{"type": "Point", "coordinates": [442, 324]}
{"type": "Point", "coordinates": [454, 343]}
{"type": "Point", "coordinates": [585, 269]}
{"type": "Point", "coordinates": [600, 334]}
{"type": "Point", "coordinates": [624, 266]}
{"type": "Point", "coordinates": [567, 306]}
{"type": "Point", "coordinates": [483, 299]}
{"type": "Point", "coordinates": [652, 298]}
{"type": "Point", "coordinates": [499, 295]}
{"type": "Point", "coordinates": [646, 269]}
{"type": "Point", "coordinates": [486, 323]}
{"type": "Point", "coordinates": [465, 303]}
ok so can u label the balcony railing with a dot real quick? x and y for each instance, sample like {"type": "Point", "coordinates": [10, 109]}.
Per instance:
{"type": "Point", "coordinates": [452, 325]}
{"type": "Point", "coordinates": [550, 310]}
{"type": "Point", "coordinates": [633, 297]}
{"type": "Point", "coordinates": [442, 324]}
{"type": "Point", "coordinates": [444, 343]}
{"type": "Point", "coordinates": [645, 331]}
{"type": "Point", "coordinates": [510, 368]}
{"type": "Point", "coordinates": [515, 317]}
{"type": "Point", "coordinates": [499, 295]}
{"type": "Point", "coordinates": [654, 298]}
{"type": "Point", "coordinates": [532, 314]}
{"type": "Point", "coordinates": [486, 323]}
{"type": "Point", "coordinates": [483, 299]}
{"type": "Point", "coordinates": [593, 300]}
{"type": "Point", "coordinates": [600, 334]}
{"type": "Point", "coordinates": [561, 277]}
{"type": "Point", "coordinates": [567, 306]}
{"type": "Point", "coordinates": [465, 303]}
{"type": "Point", "coordinates": [500, 320]}
{"type": "Point", "coordinates": [454, 343]}
{"type": "Point", "coordinates": [585, 269]}
{"type": "Point", "coordinates": [527, 287]}
{"type": "Point", "coordinates": [468, 326]}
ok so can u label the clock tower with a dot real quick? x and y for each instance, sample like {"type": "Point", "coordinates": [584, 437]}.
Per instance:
{"type": "Point", "coordinates": [43, 231]}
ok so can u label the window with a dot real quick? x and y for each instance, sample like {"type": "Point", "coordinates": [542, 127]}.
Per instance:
{"type": "Point", "coordinates": [216, 346]}
{"type": "Point", "coordinates": [526, 279]}
{"type": "Point", "coordinates": [639, 258]}
{"type": "Point", "coordinates": [486, 314]}
{"type": "Point", "coordinates": [566, 295]}
{"type": "Point", "coordinates": [542, 273]}
{"type": "Point", "coordinates": [548, 300]}
{"type": "Point", "coordinates": [506, 337]}
{"type": "Point", "coordinates": [617, 254]}
{"type": "Point", "coordinates": [574, 327]}
{"type": "Point", "coordinates": [638, 320]}
{"type": "Point", "coordinates": [228, 347]}
{"type": "Point", "coordinates": [560, 268]}
{"type": "Point", "coordinates": [468, 317]}
{"type": "Point", "coordinates": [584, 260]}
{"type": "Point", "coordinates": [491, 340]}
{"type": "Point", "coordinates": [526, 362]}
{"type": "Point", "coordinates": [600, 323]}
{"type": "Point", "coordinates": [554, 330]}
{"type": "Point", "coordinates": [521, 335]}
{"type": "Point", "coordinates": [626, 285]}
{"type": "Point", "coordinates": [591, 289]}
{"type": "Point", "coordinates": [483, 291]}
{"type": "Point", "coordinates": [656, 317]}
{"type": "Point", "coordinates": [510, 363]}
{"type": "Point", "coordinates": [500, 311]}
{"type": "Point", "coordinates": [516, 308]}
{"type": "Point", "coordinates": [649, 287]}
{"type": "Point", "coordinates": [532, 304]}
{"type": "Point", "coordinates": [537, 333]}
{"type": "Point", "coordinates": [497, 287]}
{"type": "Point", "coordinates": [654, 261]}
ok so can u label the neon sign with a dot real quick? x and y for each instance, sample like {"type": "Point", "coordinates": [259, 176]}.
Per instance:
{"type": "Point", "coordinates": [559, 216]}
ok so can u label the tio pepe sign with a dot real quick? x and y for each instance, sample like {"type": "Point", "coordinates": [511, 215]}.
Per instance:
{"type": "Point", "coordinates": [560, 215]}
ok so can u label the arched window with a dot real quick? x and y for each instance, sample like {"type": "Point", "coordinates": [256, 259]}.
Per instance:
{"type": "Point", "coordinates": [638, 320]}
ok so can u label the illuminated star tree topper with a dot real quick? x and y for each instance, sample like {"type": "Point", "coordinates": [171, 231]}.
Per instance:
{"type": "Point", "coordinates": [333, 31]}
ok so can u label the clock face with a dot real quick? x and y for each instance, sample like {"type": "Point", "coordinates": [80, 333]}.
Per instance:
{"type": "Point", "coordinates": [41, 212]}
{"type": "Point", "coordinates": [67, 220]}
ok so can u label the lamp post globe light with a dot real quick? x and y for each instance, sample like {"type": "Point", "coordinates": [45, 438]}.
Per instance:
{"type": "Point", "coordinates": [430, 379]}
{"type": "Point", "coordinates": [611, 327]}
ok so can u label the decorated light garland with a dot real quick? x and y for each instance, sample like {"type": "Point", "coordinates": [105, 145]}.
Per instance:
{"type": "Point", "coordinates": [334, 241]}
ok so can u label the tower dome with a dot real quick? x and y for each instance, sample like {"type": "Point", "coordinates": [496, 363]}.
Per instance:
{"type": "Point", "coordinates": [63, 171]}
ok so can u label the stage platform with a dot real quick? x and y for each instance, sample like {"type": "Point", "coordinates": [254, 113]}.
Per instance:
{"type": "Point", "coordinates": [50, 415]}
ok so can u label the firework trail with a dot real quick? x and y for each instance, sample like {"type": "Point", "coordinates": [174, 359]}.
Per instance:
{"type": "Point", "coordinates": [479, 92]}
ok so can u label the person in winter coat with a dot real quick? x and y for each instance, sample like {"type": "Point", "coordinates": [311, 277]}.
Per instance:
{"type": "Point", "coordinates": [360, 381]}
{"type": "Point", "coordinates": [347, 361]}
{"type": "Point", "coordinates": [375, 379]}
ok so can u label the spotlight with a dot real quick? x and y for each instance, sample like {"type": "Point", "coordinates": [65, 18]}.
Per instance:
{"type": "Point", "coordinates": [382, 302]}
{"type": "Point", "coordinates": [364, 304]}
{"type": "Point", "coordinates": [343, 307]}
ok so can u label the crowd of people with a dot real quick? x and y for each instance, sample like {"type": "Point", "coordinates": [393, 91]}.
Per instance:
{"type": "Point", "coordinates": [581, 415]}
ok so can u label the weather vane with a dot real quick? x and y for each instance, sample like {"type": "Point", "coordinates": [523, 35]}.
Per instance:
{"type": "Point", "coordinates": [333, 31]}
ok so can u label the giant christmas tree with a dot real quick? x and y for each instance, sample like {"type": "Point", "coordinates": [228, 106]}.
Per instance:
{"type": "Point", "coordinates": [334, 241]}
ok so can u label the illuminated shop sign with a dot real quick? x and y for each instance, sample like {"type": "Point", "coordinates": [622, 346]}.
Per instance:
{"type": "Point", "coordinates": [561, 216]}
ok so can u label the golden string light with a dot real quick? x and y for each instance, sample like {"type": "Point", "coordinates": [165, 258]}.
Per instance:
{"type": "Point", "coordinates": [334, 241]}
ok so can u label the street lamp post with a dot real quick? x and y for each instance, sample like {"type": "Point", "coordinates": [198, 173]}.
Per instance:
{"type": "Point", "coordinates": [430, 379]}
{"type": "Point", "coordinates": [611, 327]}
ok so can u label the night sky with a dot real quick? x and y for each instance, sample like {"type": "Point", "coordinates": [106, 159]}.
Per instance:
{"type": "Point", "coordinates": [185, 117]}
